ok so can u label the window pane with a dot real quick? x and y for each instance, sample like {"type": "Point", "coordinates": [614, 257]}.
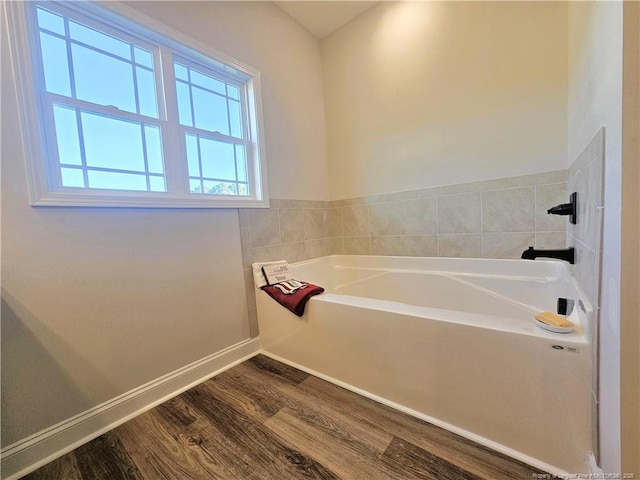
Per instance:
{"type": "Point", "coordinates": [72, 177]}
{"type": "Point", "coordinates": [210, 111]}
{"type": "Point", "coordinates": [112, 143]}
{"type": "Point", "coordinates": [195, 186]}
{"type": "Point", "coordinates": [243, 189]}
{"type": "Point", "coordinates": [206, 81]}
{"type": "Point", "coordinates": [55, 64]}
{"type": "Point", "coordinates": [98, 40]}
{"type": "Point", "coordinates": [146, 92]}
{"type": "Point", "coordinates": [192, 156]}
{"type": "Point", "coordinates": [233, 92]}
{"type": "Point", "coordinates": [181, 72]}
{"type": "Point", "coordinates": [241, 163]}
{"type": "Point", "coordinates": [235, 119]}
{"type": "Point", "coordinates": [143, 57]}
{"type": "Point", "coordinates": [154, 149]}
{"type": "Point", "coordinates": [50, 21]}
{"type": "Point", "coordinates": [217, 159]}
{"type": "Point", "coordinates": [67, 136]}
{"type": "Point", "coordinates": [102, 79]}
{"type": "Point", "coordinates": [184, 104]}
{"type": "Point", "coordinates": [117, 181]}
{"type": "Point", "coordinates": [220, 188]}
{"type": "Point", "coordinates": [157, 184]}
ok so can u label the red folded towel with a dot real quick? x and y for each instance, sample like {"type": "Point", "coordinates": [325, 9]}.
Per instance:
{"type": "Point", "coordinates": [295, 301]}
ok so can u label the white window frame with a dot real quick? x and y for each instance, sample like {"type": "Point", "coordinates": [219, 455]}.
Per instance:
{"type": "Point", "coordinates": [41, 158]}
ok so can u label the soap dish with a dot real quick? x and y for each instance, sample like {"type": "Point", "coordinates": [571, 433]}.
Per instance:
{"type": "Point", "coordinates": [553, 329]}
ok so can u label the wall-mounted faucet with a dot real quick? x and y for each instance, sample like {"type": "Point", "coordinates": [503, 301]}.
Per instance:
{"type": "Point", "coordinates": [566, 254]}
{"type": "Point", "coordinates": [570, 208]}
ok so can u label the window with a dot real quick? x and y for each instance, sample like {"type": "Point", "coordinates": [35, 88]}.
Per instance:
{"type": "Point", "coordinates": [129, 116]}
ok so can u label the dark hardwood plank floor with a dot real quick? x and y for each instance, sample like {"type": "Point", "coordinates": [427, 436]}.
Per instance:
{"type": "Point", "coordinates": [265, 420]}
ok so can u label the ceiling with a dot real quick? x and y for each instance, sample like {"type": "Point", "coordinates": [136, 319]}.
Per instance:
{"type": "Point", "coordinates": [322, 18]}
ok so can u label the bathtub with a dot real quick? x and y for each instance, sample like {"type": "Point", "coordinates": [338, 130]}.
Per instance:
{"type": "Point", "coordinates": [453, 342]}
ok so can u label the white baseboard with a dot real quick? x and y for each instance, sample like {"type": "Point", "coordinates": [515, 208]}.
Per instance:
{"type": "Point", "coordinates": [39, 449]}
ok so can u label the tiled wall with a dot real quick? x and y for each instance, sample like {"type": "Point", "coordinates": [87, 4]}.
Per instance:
{"type": "Point", "coordinates": [585, 176]}
{"type": "Point", "coordinates": [493, 219]}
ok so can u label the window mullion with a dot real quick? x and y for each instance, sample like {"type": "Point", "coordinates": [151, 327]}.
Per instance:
{"type": "Point", "coordinates": [174, 149]}
{"type": "Point", "coordinates": [83, 155]}
{"type": "Point", "coordinates": [100, 109]}
{"type": "Point", "coordinates": [215, 135]}
{"type": "Point", "coordinates": [135, 80]}
{"type": "Point", "coordinates": [53, 172]}
{"type": "Point", "coordinates": [72, 79]}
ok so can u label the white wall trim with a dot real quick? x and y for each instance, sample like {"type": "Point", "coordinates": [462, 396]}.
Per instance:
{"type": "Point", "coordinates": [30, 453]}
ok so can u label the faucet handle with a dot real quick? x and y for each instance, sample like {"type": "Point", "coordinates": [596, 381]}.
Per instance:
{"type": "Point", "coordinates": [570, 208]}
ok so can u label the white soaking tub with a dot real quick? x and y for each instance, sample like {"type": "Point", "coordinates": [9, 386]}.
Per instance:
{"type": "Point", "coordinates": [451, 341]}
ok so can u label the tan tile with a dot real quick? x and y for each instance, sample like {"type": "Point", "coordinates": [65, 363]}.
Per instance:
{"type": "Point", "coordinates": [385, 218]}
{"type": "Point", "coordinates": [293, 252]}
{"type": "Point", "coordinates": [333, 222]}
{"type": "Point", "coordinates": [336, 245]}
{"type": "Point", "coordinates": [506, 245]}
{"type": "Point", "coordinates": [270, 253]}
{"type": "Point", "coordinates": [279, 203]}
{"type": "Point", "coordinates": [291, 225]}
{"type": "Point", "coordinates": [264, 226]}
{"type": "Point", "coordinates": [420, 245]}
{"type": "Point", "coordinates": [419, 216]}
{"type": "Point", "coordinates": [459, 213]}
{"type": "Point", "coordinates": [389, 245]}
{"type": "Point", "coordinates": [357, 246]}
{"type": "Point", "coordinates": [249, 288]}
{"type": "Point", "coordinates": [315, 248]}
{"type": "Point", "coordinates": [548, 196]}
{"type": "Point", "coordinates": [245, 245]}
{"type": "Point", "coordinates": [355, 221]}
{"type": "Point", "coordinates": [313, 223]}
{"type": "Point", "coordinates": [460, 245]}
{"type": "Point", "coordinates": [508, 210]}
{"type": "Point", "coordinates": [551, 240]}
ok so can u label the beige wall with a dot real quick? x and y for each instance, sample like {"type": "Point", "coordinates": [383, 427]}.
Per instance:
{"type": "Point", "coordinates": [421, 94]}
{"type": "Point", "coordinates": [630, 292]}
{"type": "Point", "coordinates": [594, 101]}
{"type": "Point", "coordinates": [96, 302]}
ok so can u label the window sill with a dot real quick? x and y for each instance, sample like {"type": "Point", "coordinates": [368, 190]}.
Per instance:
{"type": "Point", "coordinates": [148, 201]}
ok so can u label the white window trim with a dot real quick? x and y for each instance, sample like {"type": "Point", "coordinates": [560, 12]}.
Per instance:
{"type": "Point", "coordinates": [32, 131]}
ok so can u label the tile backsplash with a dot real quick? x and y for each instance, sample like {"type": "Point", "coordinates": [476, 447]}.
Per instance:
{"type": "Point", "coordinates": [496, 218]}
{"type": "Point", "coordinates": [493, 219]}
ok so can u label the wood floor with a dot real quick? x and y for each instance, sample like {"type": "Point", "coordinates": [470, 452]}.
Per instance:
{"type": "Point", "coordinates": [265, 420]}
